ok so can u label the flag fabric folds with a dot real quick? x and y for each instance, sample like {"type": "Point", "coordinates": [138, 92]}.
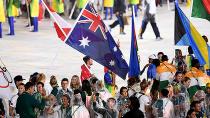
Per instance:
{"type": "Point", "coordinates": [206, 4]}
{"type": "Point", "coordinates": [91, 37]}
{"type": "Point", "coordinates": [186, 34]}
{"type": "Point", "coordinates": [134, 68]}
{"type": "Point", "coordinates": [61, 26]}
{"type": "Point", "coordinates": [201, 9]}
{"type": "Point", "coordinates": [41, 11]}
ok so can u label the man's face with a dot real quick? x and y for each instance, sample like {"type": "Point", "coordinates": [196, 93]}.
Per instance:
{"type": "Point", "coordinates": [124, 92]}
{"type": "Point", "coordinates": [21, 89]}
{"type": "Point", "coordinates": [208, 90]}
{"type": "Point", "coordinates": [179, 77]}
{"type": "Point", "coordinates": [90, 62]}
{"type": "Point", "coordinates": [197, 107]}
{"type": "Point", "coordinates": [150, 60]}
{"type": "Point", "coordinates": [64, 85]}
{"type": "Point", "coordinates": [111, 103]}
{"type": "Point", "coordinates": [31, 90]}
{"type": "Point", "coordinates": [160, 57]}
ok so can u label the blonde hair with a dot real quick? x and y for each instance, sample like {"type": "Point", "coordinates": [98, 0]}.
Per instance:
{"type": "Point", "coordinates": [53, 81]}
{"type": "Point", "coordinates": [77, 82]}
{"type": "Point", "coordinates": [41, 77]}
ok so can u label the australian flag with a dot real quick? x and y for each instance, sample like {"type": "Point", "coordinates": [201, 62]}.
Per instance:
{"type": "Point", "coordinates": [91, 37]}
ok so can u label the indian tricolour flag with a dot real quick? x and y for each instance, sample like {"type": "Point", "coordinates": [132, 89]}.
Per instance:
{"type": "Point", "coordinates": [198, 80]}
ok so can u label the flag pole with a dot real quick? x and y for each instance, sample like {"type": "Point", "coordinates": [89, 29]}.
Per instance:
{"type": "Point", "coordinates": [53, 17]}
{"type": "Point", "coordinates": [72, 10]}
{"type": "Point", "coordinates": [29, 20]}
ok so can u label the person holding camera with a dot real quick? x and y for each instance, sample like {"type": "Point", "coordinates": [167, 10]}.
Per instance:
{"type": "Point", "coordinates": [122, 101]}
{"type": "Point", "coordinates": [109, 110]}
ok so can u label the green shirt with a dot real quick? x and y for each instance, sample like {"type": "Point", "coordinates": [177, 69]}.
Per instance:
{"type": "Point", "coordinates": [26, 104]}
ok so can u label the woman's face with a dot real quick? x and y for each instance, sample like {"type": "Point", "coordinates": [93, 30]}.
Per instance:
{"type": "Point", "coordinates": [65, 101]}
{"type": "Point", "coordinates": [74, 81]}
{"type": "Point", "coordinates": [193, 115]}
{"type": "Point", "coordinates": [39, 88]}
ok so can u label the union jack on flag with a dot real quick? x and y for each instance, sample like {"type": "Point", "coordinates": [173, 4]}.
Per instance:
{"type": "Point", "coordinates": [91, 16]}
{"type": "Point", "coordinates": [91, 37]}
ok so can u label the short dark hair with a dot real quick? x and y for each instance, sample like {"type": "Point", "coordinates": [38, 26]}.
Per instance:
{"type": "Point", "coordinates": [64, 79]}
{"type": "Point", "coordinates": [28, 85]}
{"type": "Point", "coordinates": [93, 80]}
{"type": "Point", "coordinates": [121, 89]}
{"type": "Point", "coordinates": [194, 62]}
{"type": "Point", "coordinates": [21, 84]}
{"type": "Point", "coordinates": [156, 62]}
{"type": "Point", "coordinates": [160, 53]}
{"type": "Point", "coordinates": [190, 50]}
{"type": "Point", "coordinates": [134, 103]}
{"type": "Point", "coordinates": [40, 83]}
{"type": "Point", "coordinates": [164, 92]}
{"type": "Point", "coordinates": [192, 105]}
{"type": "Point", "coordinates": [190, 112]}
{"type": "Point", "coordinates": [205, 38]}
{"type": "Point", "coordinates": [76, 91]}
{"type": "Point", "coordinates": [86, 59]}
{"type": "Point", "coordinates": [164, 58]}
{"type": "Point", "coordinates": [111, 99]}
{"type": "Point", "coordinates": [178, 72]}
{"type": "Point", "coordinates": [185, 79]}
{"type": "Point", "coordinates": [18, 78]}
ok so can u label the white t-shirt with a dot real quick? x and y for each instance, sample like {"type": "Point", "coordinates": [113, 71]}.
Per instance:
{"type": "Point", "coordinates": [80, 112]}
{"type": "Point", "coordinates": [152, 6]}
{"type": "Point", "coordinates": [168, 110]}
{"type": "Point", "coordinates": [14, 101]}
{"type": "Point", "coordinates": [143, 100]}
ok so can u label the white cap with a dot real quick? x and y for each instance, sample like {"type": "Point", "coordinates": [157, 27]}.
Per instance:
{"type": "Point", "coordinates": [152, 56]}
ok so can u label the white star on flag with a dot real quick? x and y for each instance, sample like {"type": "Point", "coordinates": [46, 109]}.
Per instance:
{"type": "Point", "coordinates": [115, 49]}
{"type": "Point", "coordinates": [112, 63]}
{"type": "Point", "coordinates": [84, 42]}
{"type": "Point", "coordinates": [123, 57]}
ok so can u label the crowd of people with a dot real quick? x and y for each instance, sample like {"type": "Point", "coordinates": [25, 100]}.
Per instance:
{"type": "Point", "coordinates": [177, 89]}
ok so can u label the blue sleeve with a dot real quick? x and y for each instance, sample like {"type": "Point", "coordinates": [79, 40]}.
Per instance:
{"type": "Point", "coordinates": [151, 72]}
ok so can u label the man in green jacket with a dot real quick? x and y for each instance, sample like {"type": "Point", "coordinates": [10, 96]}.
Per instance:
{"type": "Point", "coordinates": [26, 103]}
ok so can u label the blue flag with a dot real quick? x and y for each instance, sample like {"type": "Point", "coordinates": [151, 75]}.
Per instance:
{"type": "Point", "coordinates": [91, 37]}
{"type": "Point", "coordinates": [134, 68]}
{"type": "Point", "coordinates": [191, 36]}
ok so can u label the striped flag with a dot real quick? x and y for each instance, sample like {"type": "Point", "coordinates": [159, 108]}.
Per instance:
{"type": "Point", "coordinates": [186, 34]}
{"type": "Point", "coordinates": [201, 9]}
{"type": "Point", "coordinates": [61, 26]}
